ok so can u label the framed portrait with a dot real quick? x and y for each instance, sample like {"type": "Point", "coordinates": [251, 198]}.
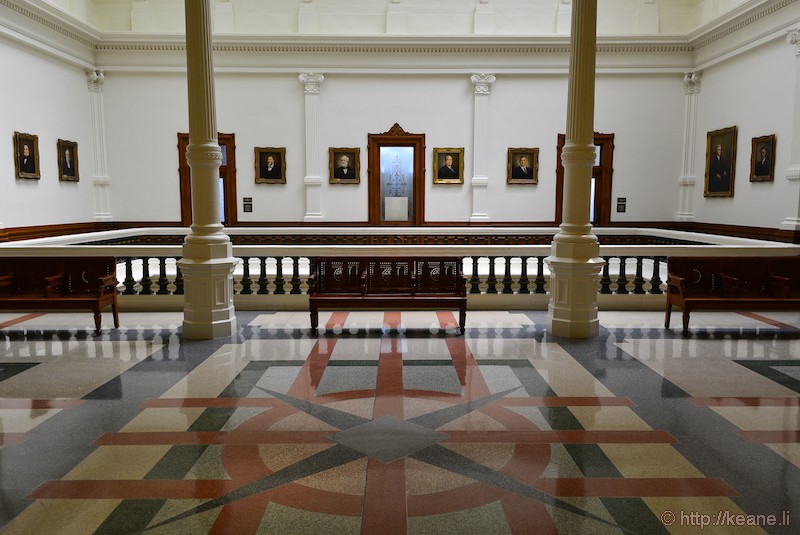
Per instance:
{"type": "Point", "coordinates": [344, 165]}
{"type": "Point", "coordinates": [270, 165]}
{"type": "Point", "coordinates": [68, 161]}
{"type": "Point", "coordinates": [523, 166]}
{"type": "Point", "coordinates": [26, 155]}
{"type": "Point", "coordinates": [448, 164]}
{"type": "Point", "coordinates": [762, 159]}
{"type": "Point", "coordinates": [720, 162]}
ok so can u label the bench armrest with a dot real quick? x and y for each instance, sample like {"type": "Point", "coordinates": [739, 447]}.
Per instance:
{"type": "Point", "coordinates": [779, 286]}
{"type": "Point", "coordinates": [7, 283]}
{"type": "Point", "coordinates": [53, 286]}
{"type": "Point", "coordinates": [312, 283]}
{"type": "Point", "coordinates": [107, 285]}
{"type": "Point", "coordinates": [676, 282]}
{"type": "Point", "coordinates": [730, 285]}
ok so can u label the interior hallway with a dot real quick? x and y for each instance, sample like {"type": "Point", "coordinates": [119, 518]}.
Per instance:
{"type": "Point", "coordinates": [393, 423]}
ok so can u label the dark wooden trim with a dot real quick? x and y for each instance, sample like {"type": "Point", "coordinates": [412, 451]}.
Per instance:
{"type": "Point", "coordinates": [603, 174]}
{"type": "Point", "coordinates": [227, 172]}
{"type": "Point", "coordinates": [396, 137]}
{"type": "Point", "coordinates": [45, 231]}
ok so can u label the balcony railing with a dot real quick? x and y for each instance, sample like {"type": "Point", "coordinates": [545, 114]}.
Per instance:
{"type": "Point", "coordinates": [271, 276]}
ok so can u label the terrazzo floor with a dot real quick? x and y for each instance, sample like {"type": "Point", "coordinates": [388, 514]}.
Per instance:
{"type": "Point", "coordinates": [393, 423]}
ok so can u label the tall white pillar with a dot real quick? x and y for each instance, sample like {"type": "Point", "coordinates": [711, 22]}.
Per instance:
{"type": "Point", "coordinates": [480, 143]}
{"type": "Point", "coordinates": [688, 179]}
{"type": "Point", "coordinates": [574, 260]}
{"type": "Point", "coordinates": [792, 220]}
{"type": "Point", "coordinates": [100, 179]}
{"type": "Point", "coordinates": [207, 262]}
{"type": "Point", "coordinates": [313, 178]}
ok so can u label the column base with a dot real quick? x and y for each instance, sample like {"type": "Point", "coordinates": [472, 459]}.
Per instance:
{"type": "Point", "coordinates": [574, 275]}
{"type": "Point", "coordinates": [208, 310]}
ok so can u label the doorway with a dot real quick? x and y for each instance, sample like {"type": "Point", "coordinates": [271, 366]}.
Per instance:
{"type": "Point", "coordinates": [600, 209]}
{"type": "Point", "coordinates": [396, 176]}
{"type": "Point", "coordinates": [227, 180]}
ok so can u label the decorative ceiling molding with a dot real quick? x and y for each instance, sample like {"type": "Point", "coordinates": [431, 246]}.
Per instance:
{"type": "Point", "coordinates": [736, 21]}
{"type": "Point", "coordinates": [54, 22]}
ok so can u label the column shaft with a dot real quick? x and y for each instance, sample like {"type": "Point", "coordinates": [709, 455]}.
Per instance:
{"type": "Point", "coordinates": [101, 181]}
{"type": "Point", "coordinates": [574, 261]}
{"type": "Point", "coordinates": [207, 263]}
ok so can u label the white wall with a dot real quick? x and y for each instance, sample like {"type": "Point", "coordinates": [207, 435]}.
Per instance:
{"type": "Point", "coordinates": [754, 92]}
{"type": "Point", "coordinates": [144, 113]}
{"type": "Point", "coordinates": [47, 98]}
{"type": "Point", "coordinates": [645, 114]}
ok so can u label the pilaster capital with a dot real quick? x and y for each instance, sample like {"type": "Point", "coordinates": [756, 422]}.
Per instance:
{"type": "Point", "coordinates": [691, 82]}
{"type": "Point", "coordinates": [482, 83]}
{"type": "Point", "coordinates": [311, 82]}
{"type": "Point", "coordinates": [793, 38]}
{"type": "Point", "coordinates": [94, 80]}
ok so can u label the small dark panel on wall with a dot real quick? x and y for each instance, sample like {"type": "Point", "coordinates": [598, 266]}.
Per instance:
{"type": "Point", "coordinates": [622, 203]}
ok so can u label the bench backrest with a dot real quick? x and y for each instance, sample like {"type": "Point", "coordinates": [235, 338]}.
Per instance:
{"type": "Point", "coordinates": [440, 276]}
{"type": "Point", "coordinates": [390, 276]}
{"type": "Point", "coordinates": [80, 273]}
{"type": "Point", "coordinates": [338, 276]}
{"type": "Point", "coordinates": [703, 275]}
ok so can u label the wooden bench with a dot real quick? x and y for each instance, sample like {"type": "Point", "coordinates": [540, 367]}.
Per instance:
{"type": "Point", "coordinates": [732, 283]}
{"type": "Point", "coordinates": [387, 284]}
{"type": "Point", "coordinates": [63, 283]}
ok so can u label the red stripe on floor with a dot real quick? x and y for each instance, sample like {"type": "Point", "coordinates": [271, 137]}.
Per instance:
{"type": "Point", "coordinates": [389, 385]}
{"type": "Point", "coordinates": [213, 437]}
{"type": "Point", "coordinates": [385, 498]}
{"type": "Point", "coordinates": [561, 437]}
{"type": "Point", "coordinates": [771, 437]}
{"type": "Point", "coordinates": [40, 403]}
{"type": "Point", "coordinates": [20, 319]}
{"type": "Point", "coordinates": [746, 402]}
{"type": "Point", "coordinates": [769, 321]}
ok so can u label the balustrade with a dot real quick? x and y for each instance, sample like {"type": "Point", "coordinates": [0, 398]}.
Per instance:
{"type": "Point", "coordinates": [160, 275]}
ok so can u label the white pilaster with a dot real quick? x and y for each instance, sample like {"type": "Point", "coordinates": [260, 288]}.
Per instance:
{"type": "Point", "coordinates": [223, 17]}
{"type": "Point", "coordinates": [792, 220]}
{"type": "Point", "coordinates": [563, 17]}
{"type": "Point", "coordinates": [480, 143]}
{"type": "Point", "coordinates": [688, 179]}
{"type": "Point", "coordinates": [395, 18]}
{"type": "Point", "coordinates": [100, 180]}
{"type": "Point", "coordinates": [574, 260]}
{"type": "Point", "coordinates": [313, 178]}
{"type": "Point", "coordinates": [207, 263]}
{"type": "Point", "coordinates": [484, 18]}
{"type": "Point", "coordinates": [141, 16]}
{"type": "Point", "coordinates": [307, 18]}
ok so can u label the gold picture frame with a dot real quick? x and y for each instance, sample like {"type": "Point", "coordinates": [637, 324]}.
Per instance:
{"type": "Point", "coordinates": [762, 159]}
{"type": "Point", "coordinates": [344, 165]}
{"type": "Point", "coordinates": [26, 155]}
{"type": "Point", "coordinates": [270, 165]}
{"type": "Point", "coordinates": [720, 162]}
{"type": "Point", "coordinates": [448, 165]}
{"type": "Point", "coordinates": [523, 166]}
{"type": "Point", "coordinates": [68, 161]}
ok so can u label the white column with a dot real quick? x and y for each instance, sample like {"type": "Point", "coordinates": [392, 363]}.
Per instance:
{"type": "Point", "coordinates": [688, 179]}
{"type": "Point", "coordinates": [207, 262]}
{"type": "Point", "coordinates": [792, 220]}
{"type": "Point", "coordinates": [313, 178]}
{"type": "Point", "coordinates": [484, 18]}
{"type": "Point", "coordinates": [574, 260]}
{"type": "Point", "coordinates": [480, 143]}
{"type": "Point", "coordinates": [307, 18]}
{"type": "Point", "coordinates": [395, 18]}
{"type": "Point", "coordinates": [100, 179]}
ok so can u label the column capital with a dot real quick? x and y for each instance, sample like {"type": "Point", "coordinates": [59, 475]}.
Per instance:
{"type": "Point", "coordinates": [691, 82]}
{"type": "Point", "coordinates": [94, 80]}
{"type": "Point", "coordinates": [311, 82]}
{"type": "Point", "coordinates": [482, 82]}
{"type": "Point", "coordinates": [793, 38]}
